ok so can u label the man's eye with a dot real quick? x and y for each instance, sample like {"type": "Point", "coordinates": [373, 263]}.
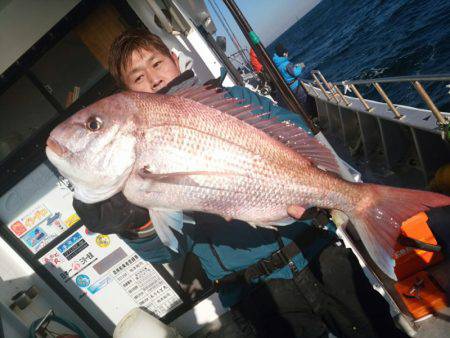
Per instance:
{"type": "Point", "coordinates": [156, 64]}
{"type": "Point", "coordinates": [138, 79]}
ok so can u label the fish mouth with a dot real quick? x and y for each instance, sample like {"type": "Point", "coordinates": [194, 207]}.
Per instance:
{"type": "Point", "coordinates": [57, 148]}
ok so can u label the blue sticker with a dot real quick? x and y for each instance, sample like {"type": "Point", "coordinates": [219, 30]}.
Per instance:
{"type": "Point", "coordinates": [69, 242]}
{"type": "Point", "coordinates": [53, 218]}
{"type": "Point", "coordinates": [83, 281]}
{"type": "Point", "coordinates": [34, 237]}
{"type": "Point", "coordinates": [100, 284]}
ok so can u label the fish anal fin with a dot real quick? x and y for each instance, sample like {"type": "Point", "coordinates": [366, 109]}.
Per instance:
{"type": "Point", "coordinates": [163, 222]}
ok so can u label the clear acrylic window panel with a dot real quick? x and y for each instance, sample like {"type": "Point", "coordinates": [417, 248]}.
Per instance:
{"type": "Point", "coordinates": [69, 64]}
{"type": "Point", "coordinates": [23, 111]}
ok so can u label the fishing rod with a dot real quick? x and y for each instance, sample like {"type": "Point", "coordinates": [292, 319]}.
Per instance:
{"type": "Point", "coordinates": [269, 67]}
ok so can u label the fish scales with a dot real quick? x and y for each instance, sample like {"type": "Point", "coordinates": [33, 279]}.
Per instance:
{"type": "Point", "coordinates": [193, 141]}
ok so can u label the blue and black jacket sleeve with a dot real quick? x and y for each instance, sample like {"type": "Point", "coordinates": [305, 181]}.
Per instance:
{"type": "Point", "coordinates": [293, 70]}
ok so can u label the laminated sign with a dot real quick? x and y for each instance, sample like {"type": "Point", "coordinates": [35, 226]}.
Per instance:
{"type": "Point", "coordinates": [104, 273]}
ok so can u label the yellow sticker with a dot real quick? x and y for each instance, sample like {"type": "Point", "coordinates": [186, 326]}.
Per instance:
{"type": "Point", "coordinates": [35, 216]}
{"type": "Point", "coordinates": [71, 220]}
{"type": "Point", "coordinates": [102, 241]}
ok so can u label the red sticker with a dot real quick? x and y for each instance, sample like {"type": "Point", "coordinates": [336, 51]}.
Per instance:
{"type": "Point", "coordinates": [18, 228]}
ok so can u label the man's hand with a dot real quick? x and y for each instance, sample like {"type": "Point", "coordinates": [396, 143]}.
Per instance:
{"type": "Point", "coordinates": [295, 211]}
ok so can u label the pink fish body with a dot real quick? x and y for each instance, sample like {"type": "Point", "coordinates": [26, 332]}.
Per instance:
{"type": "Point", "coordinates": [196, 151]}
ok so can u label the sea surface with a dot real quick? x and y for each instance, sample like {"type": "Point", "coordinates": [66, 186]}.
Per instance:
{"type": "Point", "coordinates": [362, 39]}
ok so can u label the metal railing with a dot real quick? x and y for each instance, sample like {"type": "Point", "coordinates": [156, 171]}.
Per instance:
{"type": "Point", "coordinates": [433, 77]}
{"type": "Point", "coordinates": [334, 94]}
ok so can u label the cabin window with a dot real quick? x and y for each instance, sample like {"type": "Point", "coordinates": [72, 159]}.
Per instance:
{"type": "Point", "coordinates": [66, 66]}
{"type": "Point", "coordinates": [68, 70]}
{"type": "Point", "coordinates": [24, 110]}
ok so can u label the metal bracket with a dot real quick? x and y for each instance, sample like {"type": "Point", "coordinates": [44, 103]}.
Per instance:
{"type": "Point", "coordinates": [445, 131]}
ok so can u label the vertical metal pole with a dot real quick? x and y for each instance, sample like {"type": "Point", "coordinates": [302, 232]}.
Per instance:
{"type": "Point", "coordinates": [272, 71]}
{"type": "Point", "coordinates": [387, 100]}
{"type": "Point", "coordinates": [359, 96]}
{"type": "Point", "coordinates": [436, 112]}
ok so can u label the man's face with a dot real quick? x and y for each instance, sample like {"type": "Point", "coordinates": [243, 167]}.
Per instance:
{"type": "Point", "coordinates": [150, 70]}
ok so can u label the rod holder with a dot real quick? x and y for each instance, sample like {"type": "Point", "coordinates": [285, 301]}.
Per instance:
{"type": "Point", "coordinates": [429, 102]}
{"type": "Point", "coordinates": [316, 80]}
{"type": "Point", "coordinates": [387, 100]}
{"type": "Point", "coordinates": [347, 102]}
{"type": "Point", "coordinates": [359, 96]}
{"type": "Point", "coordinates": [314, 90]}
{"type": "Point", "coordinates": [308, 91]}
{"type": "Point", "coordinates": [328, 85]}
{"type": "Point", "coordinates": [311, 88]}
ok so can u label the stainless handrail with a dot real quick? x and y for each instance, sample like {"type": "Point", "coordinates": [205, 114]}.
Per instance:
{"type": "Point", "coordinates": [442, 120]}
{"type": "Point", "coordinates": [408, 78]}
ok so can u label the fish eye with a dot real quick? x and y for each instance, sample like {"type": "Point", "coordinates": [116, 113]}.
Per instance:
{"type": "Point", "coordinates": [94, 123]}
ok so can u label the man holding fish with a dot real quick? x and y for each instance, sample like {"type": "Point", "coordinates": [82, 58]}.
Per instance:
{"type": "Point", "coordinates": [240, 174]}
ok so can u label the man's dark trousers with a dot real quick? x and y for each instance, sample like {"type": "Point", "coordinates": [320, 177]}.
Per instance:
{"type": "Point", "coordinates": [331, 295]}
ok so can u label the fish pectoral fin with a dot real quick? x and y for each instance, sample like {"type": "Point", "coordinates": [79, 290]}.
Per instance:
{"type": "Point", "coordinates": [173, 178]}
{"type": "Point", "coordinates": [164, 221]}
{"type": "Point", "coordinates": [180, 178]}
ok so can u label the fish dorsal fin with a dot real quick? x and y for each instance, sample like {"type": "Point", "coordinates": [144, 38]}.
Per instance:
{"type": "Point", "coordinates": [285, 132]}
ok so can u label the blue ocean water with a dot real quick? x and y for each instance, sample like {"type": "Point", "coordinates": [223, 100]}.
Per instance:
{"type": "Point", "coordinates": [352, 39]}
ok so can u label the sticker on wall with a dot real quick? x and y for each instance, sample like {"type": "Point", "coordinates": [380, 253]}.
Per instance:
{"type": "Point", "coordinates": [54, 258]}
{"type": "Point", "coordinates": [102, 241]}
{"type": "Point", "coordinates": [71, 220]}
{"type": "Point", "coordinates": [18, 228]}
{"type": "Point", "coordinates": [69, 242]}
{"type": "Point", "coordinates": [100, 284]}
{"type": "Point", "coordinates": [77, 266]}
{"type": "Point", "coordinates": [36, 216]}
{"type": "Point", "coordinates": [75, 249]}
{"type": "Point", "coordinates": [55, 221]}
{"type": "Point", "coordinates": [33, 237]}
{"type": "Point", "coordinates": [83, 281]}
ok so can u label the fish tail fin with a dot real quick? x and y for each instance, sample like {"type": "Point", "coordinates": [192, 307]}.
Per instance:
{"type": "Point", "coordinates": [163, 222]}
{"type": "Point", "coordinates": [379, 215]}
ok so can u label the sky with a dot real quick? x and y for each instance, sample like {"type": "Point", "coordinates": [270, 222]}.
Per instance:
{"type": "Point", "coordinates": [268, 18]}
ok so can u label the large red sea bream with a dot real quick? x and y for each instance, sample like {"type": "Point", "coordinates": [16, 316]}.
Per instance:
{"type": "Point", "coordinates": [196, 151]}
